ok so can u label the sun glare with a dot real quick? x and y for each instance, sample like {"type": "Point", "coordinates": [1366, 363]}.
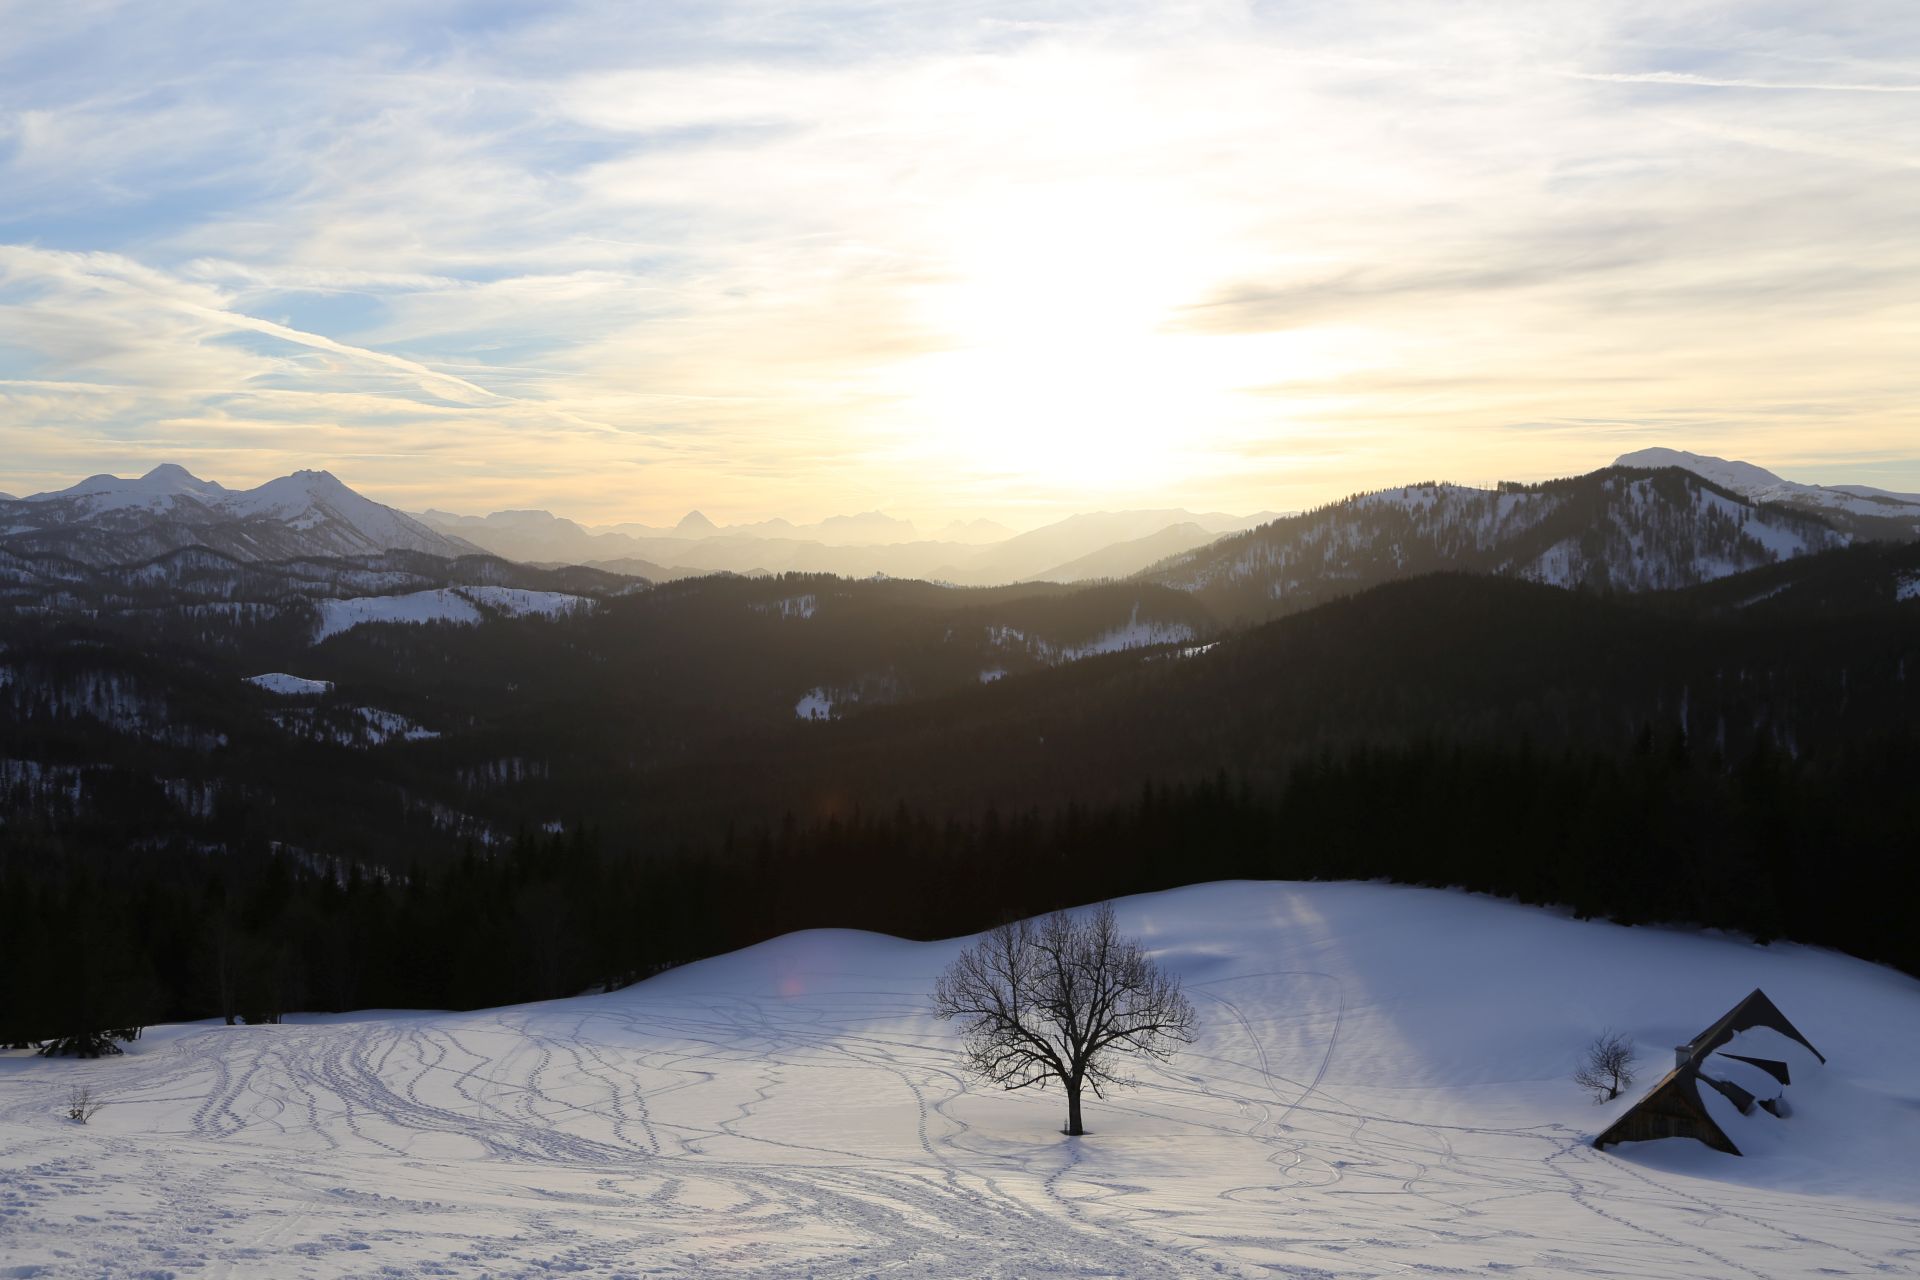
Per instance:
{"type": "Point", "coordinates": [1065, 366]}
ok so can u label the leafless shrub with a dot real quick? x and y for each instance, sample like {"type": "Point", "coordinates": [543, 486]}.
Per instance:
{"type": "Point", "coordinates": [1607, 1067]}
{"type": "Point", "coordinates": [82, 1102]}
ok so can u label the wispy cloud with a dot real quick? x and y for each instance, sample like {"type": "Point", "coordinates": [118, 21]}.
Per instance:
{"type": "Point", "coordinates": [1719, 82]}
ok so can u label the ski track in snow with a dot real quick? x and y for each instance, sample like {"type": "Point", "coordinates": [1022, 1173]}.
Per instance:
{"type": "Point", "coordinates": [793, 1111]}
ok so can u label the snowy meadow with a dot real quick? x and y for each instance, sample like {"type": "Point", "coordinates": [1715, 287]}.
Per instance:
{"type": "Point", "coordinates": [1380, 1086]}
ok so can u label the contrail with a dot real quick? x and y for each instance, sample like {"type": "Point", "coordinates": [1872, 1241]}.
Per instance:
{"type": "Point", "coordinates": [240, 320]}
{"type": "Point", "coordinates": [129, 275]}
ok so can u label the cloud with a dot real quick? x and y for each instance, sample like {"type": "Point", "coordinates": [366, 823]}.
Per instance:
{"type": "Point", "coordinates": [98, 282]}
{"type": "Point", "coordinates": [1715, 82]}
{"type": "Point", "coordinates": [796, 258]}
{"type": "Point", "coordinates": [1501, 267]}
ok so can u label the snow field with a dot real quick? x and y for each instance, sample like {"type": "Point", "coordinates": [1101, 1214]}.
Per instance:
{"type": "Point", "coordinates": [292, 686]}
{"type": "Point", "coordinates": [1131, 634]}
{"type": "Point", "coordinates": [1379, 1088]}
{"type": "Point", "coordinates": [519, 602]}
{"type": "Point", "coordinates": [457, 605]}
{"type": "Point", "coordinates": [443, 605]}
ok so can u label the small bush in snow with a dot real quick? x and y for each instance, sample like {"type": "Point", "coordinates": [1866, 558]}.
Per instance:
{"type": "Point", "coordinates": [1607, 1067]}
{"type": "Point", "coordinates": [81, 1103]}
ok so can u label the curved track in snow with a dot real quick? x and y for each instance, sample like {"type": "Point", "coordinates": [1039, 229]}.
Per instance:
{"type": "Point", "coordinates": [793, 1111]}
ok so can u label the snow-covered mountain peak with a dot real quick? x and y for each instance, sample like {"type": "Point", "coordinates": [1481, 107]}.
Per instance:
{"type": "Point", "coordinates": [311, 500]}
{"type": "Point", "coordinates": [172, 475]}
{"type": "Point", "coordinates": [1757, 484]}
{"type": "Point", "coordinates": [294, 494]}
{"type": "Point", "coordinates": [1742, 477]}
{"type": "Point", "coordinates": [108, 520]}
{"type": "Point", "coordinates": [156, 490]}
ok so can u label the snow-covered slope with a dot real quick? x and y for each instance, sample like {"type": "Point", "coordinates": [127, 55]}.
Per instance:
{"type": "Point", "coordinates": [443, 605]}
{"type": "Point", "coordinates": [1613, 530]}
{"type": "Point", "coordinates": [518, 602]}
{"type": "Point", "coordinates": [291, 686]}
{"type": "Point", "coordinates": [1761, 485]}
{"type": "Point", "coordinates": [462, 606]}
{"type": "Point", "coordinates": [341, 521]}
{"type": "Point", "coordinates": [1380, 1087]}
{"type": "Point", "coordinates": [105, 520]}
{"type": "Point", "coordinates": [1135, 633]}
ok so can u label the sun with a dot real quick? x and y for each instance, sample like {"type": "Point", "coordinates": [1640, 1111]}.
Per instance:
{"type": "Point", "coordinates": [1064, 362]}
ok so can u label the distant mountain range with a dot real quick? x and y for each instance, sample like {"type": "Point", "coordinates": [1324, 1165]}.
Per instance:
{"type": "Point", "coordinates": [1101, 544]}
{"type": "Point", "coordinates": [1659, 519]}
{"type": "Point", "coordinates": [870, 528]}
{"type": "Point", "coordinates": [105, 520]}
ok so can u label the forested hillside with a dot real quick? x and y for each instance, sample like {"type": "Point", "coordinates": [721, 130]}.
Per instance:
{"type": "Point", "coordinates": [451, 813]}
{"type": "Point", "coordinates": [1617, 530]}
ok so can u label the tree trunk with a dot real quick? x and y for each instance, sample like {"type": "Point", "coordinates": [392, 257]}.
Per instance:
{"type": "Point", "coordinates": [1073, 1109]}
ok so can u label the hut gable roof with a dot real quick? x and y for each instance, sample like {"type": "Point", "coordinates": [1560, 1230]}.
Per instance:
{"type": "Point", "coordinates": [1671, 1109]}
{"type": "Point", "coordinates": [1754, 1011]}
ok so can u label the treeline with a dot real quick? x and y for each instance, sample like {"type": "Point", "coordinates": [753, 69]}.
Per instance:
{"type": "Point", "coordinates": [94, 936]}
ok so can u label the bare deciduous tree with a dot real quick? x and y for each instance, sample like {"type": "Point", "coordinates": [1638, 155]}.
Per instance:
{"type": "Point", "coordinates": [81, 1103]}
{"type": "Point", "coordinates": [1608, 1066]}
{"type": "Point", "coordinates": [1062, 999]}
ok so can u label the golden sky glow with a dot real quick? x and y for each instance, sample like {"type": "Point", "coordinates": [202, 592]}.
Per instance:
{"type": "Point", "coordinates": [1009, 261]}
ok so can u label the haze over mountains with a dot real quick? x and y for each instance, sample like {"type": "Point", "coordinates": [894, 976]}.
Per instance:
{"type": "Point", "coordinates": [105, 520]}
{"type": "Point", "coordinates": [1121, 544]}
{"type": "Point", "coordinates": [1101, 544]}
{"type": "Point", "coordinates": [1724, 517]}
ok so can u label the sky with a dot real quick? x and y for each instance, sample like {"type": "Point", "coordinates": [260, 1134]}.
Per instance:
{"type": "Point", "coordinates": [954, 259]}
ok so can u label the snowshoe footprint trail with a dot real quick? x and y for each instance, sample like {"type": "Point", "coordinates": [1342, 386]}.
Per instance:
{"type": "Point", "coordinates": [793, 1110]}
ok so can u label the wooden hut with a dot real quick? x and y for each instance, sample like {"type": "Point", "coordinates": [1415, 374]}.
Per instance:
{"type": "Point", "coordinates": [1673, 1108]}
